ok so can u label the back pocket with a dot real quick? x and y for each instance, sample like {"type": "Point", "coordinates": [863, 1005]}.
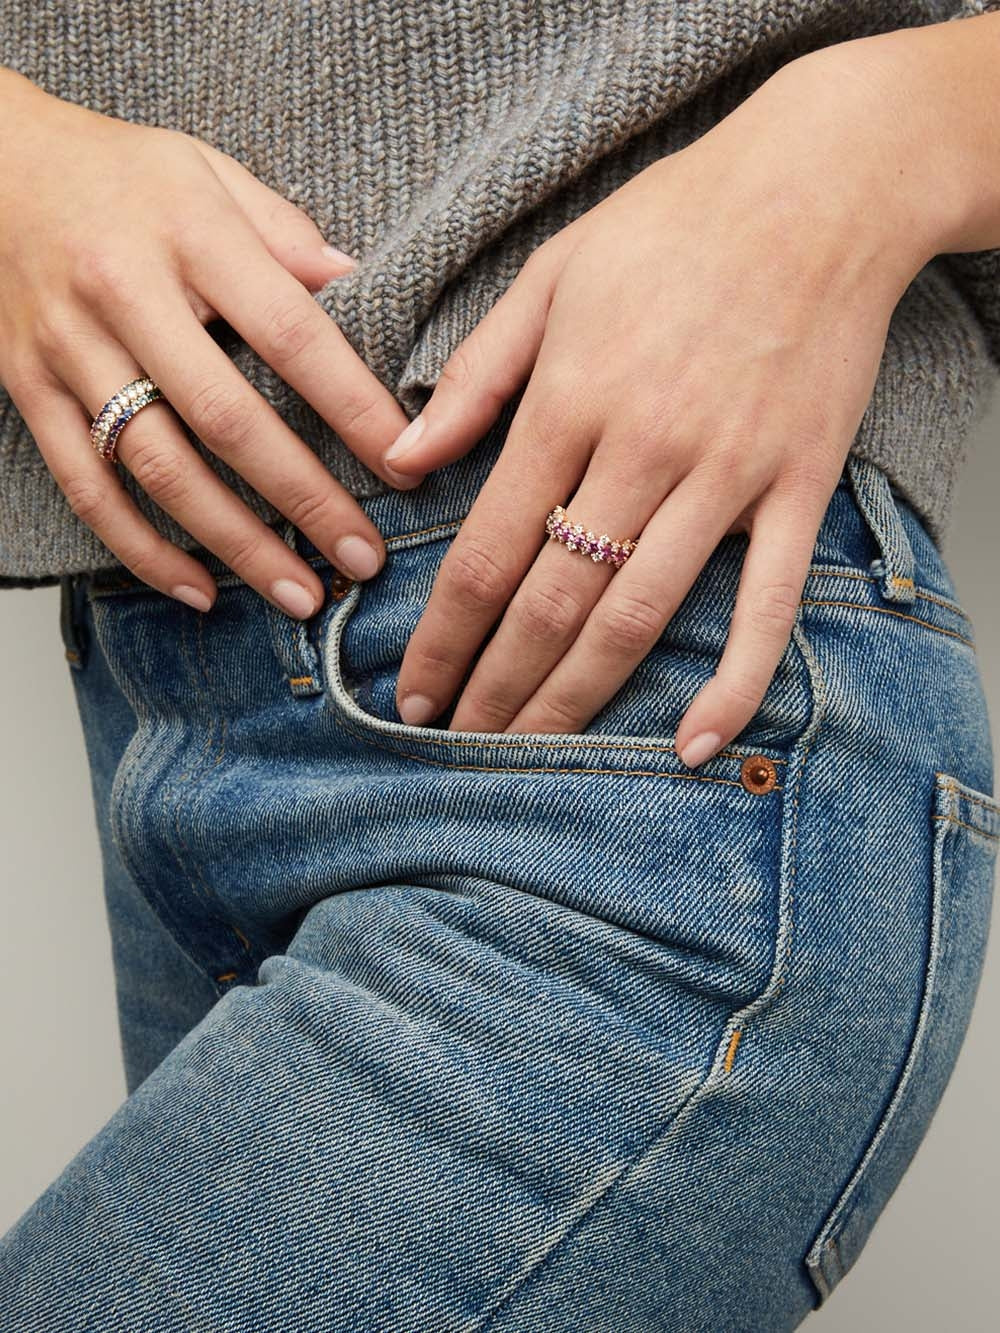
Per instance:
{"type": "Point", "coordinates": [965, 833]}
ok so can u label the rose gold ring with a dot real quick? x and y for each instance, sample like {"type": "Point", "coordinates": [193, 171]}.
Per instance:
{"type": "Point", "coordinates": [572, 535]}
{"type": "Point", "coordinates": [109, 422]}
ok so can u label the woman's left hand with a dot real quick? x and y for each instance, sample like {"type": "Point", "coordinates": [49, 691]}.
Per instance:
{"type": "Point", "coordinates": [701, 346]}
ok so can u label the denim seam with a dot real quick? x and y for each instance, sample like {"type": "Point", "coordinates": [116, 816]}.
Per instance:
{"type": "Point", "coordinates": [717, 1072]}
{"type": "Point", "coordinates": [837, 1217]}
{"type": "Point", "coordinates": [372, 730]}
{"type": "Point", "coordinates": [849, 572]}
{"type": "Point", "coordinates": [970, 794]}
{"type": "Point", "coordinates": [561, 770]}
{"type": "Point", "coordinates": [974, 828]}
{"type": "Point", "coordinates": [890, 611]}
{"type": "Point", "coordinates": [624, 746]}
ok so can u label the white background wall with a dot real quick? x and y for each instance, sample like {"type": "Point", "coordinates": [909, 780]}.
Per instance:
{"type": "Point", "coordinates": [930, 1264]}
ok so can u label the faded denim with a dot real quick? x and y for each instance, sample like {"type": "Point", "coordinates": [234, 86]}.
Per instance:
{"type": "Point", "coordinates": [457, 1031]}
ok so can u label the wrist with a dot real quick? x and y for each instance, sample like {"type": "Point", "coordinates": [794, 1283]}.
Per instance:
{"type": "Point", "coordinates": [926, 103]}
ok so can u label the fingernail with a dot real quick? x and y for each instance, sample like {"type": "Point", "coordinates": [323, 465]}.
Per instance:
{"type": "Point", "coordinates": [700, 748]}
{"type": "Point", "coordinates": [338, 256]}
{"type": "Point", "coordinates": [406, 439]}
{"type": "Point", "coordinates": [193, 596]}
{"type": "Point", "coordinates": [357, 556]}
{"type": "Point", "coordinates": [416, 709]}
{"type": "Point", "coordinates": [293, 598]}
{"type": "Point", "coordinates": [402, 480]}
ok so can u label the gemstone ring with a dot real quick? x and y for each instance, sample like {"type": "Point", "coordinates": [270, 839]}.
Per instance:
{"type": "Point", "coordinates": [109, 422]}
{"type": "Point", "coordinates": [573, 536]}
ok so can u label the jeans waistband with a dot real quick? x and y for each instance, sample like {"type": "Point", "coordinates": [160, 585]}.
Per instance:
{"type": "Point", "coordinates": [868, 526]}
{"type": "Point", "coordinates": [865, 526]}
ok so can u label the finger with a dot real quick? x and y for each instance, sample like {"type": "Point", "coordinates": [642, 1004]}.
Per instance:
{"type": "Point", "coordinates": [288, 231]}
{"type": "Point", "coordinates": [482, 373]}
{"type": "Point", "coordinates": [640, 600]}
{"type": "Point", "coordinates": [292, 332]}
{"type": "Point", "coordinates": [767, 602]}
{"type": "Point", "coordinates": [238, 424]}
{"type": "Point", "coordinates": [499, 539]}
{"type": "Point", "coordinates": [550, 607]}
{"type": "Point", "coordinates": [153, 448]}
{"type": "Point", "coordinates": [96, 496]}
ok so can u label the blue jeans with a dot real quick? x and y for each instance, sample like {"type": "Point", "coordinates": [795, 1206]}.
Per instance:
{"type": "Point", "coordinates": [455, 1031]}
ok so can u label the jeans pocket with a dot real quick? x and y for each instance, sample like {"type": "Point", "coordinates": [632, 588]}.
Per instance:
{"type": "Point", "coordinates": [964, 835]}
{"type": "Point", "coordinates": [72, 620]}
{"type": "Point", "coordinates": [363, 637]}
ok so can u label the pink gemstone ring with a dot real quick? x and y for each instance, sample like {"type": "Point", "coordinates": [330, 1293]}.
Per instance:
{"type": "Point", "coordinates": [572, 535]}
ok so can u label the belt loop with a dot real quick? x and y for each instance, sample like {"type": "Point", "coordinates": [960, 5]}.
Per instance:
{"type": "Point", "coordinates": [894, 565]}
{"type": "Point", "coordinates": [290, 637]}
{"type": "Point", "coordinates": [72, 590]}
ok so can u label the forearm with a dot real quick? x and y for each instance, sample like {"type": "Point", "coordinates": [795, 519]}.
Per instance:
{"type": "Point", "coordinates": [939, 89]}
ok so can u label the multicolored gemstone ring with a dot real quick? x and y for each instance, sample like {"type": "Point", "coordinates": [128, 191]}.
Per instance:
{"type": "Point", "coordinates": [108, 424]}
{"type": "Point", "coordinates": [572, 535]}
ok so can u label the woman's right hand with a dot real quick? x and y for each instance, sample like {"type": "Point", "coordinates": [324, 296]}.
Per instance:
{"type": "Point", "coordinates": [118, 243]}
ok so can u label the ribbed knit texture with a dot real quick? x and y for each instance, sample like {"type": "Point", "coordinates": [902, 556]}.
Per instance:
{"type": "Point", "coordinates": [440, 142]}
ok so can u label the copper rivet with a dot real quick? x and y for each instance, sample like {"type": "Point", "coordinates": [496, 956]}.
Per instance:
{"type": "Point", "coordinates": [340, 586]}
{"type": "Point", "coordinates": [758, 773]}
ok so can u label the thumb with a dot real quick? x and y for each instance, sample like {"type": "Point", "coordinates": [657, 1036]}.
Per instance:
{"type": "Point", "coordinates": [482, 373]}
{"type": "Point", "coordinates": [287, 230]}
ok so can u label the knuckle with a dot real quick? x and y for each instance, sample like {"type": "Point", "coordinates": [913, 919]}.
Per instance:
{"type": "Point", "coordinates": [746, 698]}
{"type": "Point", "coordinates": [28, 381]}
{"type": "Point", "coordinates": [354, 412]}
{"type": "Point", "coordinates": [51, 328]}
{"type": "Point", "coordinates": [459, 372]}
{"type": "Point", "coordinates": [308, 508]}
{"type": "Point", "coordinates": [491, 710]}
{"type": "Point", "coordinates": [559, 411]}
{"type": "Point", "coordinates": [87, 498]}
{"type": "Point", "coordinates": [805, 478]}
{"type": "Point", "coordinates": [243, 551]}
{"type": "Point", "coordinates": [477, 576]}
{"type": "Point", "coordinates": [157, 470]}
{"type": "Point", "coordinates": [734, 464]}
{"type": "Point", "coordinates": [630, 622]}
{"type": "Point", "coordinates": [771, 610]}
{"type": "Point", "coordinates": [433, 660]}
{"type": "Point", "coordinates": [144, 563]}
{"type": "Point", "coordinates": [558, 714]}
{"type": "Point", "coordinates": [219, 415]}
{"type": "Point", "coordinates": [96, 268]}
{"type": "Point", "coordinates": [289, 327]}
{"type": "Point", "coordinates": [546, 614]}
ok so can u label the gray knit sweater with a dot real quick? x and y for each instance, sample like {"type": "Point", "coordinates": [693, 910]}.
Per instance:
{"type": "Point", "coordinates": [441, 142]}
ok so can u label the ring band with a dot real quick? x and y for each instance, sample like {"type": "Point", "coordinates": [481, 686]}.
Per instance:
{"type": "Point", "coordinates": [120, 408]}
{"type": "Point", "coordinates": [573, 536]}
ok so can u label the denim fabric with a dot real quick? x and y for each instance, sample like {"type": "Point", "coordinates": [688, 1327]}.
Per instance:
{"type": "Point", "coordinates": [455, 1031]}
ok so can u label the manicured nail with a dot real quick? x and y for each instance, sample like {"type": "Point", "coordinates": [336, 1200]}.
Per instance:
{"type": "Point", "coordinates": [293, 598]}
{"type": "Point", "coordinates": [405, 441]}
{"type": "Point", "coordinates": [338, 256]}
{"type": "Point", "coordinates": [403, 481]}
{"type": "Point", "coordinates": [193, 596]}
{"type": "Point", "coordinates": [700, 747]}
{"type": "Point", "coordinates": [358, 558]}
{"type": "Point", "coordinates": [416, 709]}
